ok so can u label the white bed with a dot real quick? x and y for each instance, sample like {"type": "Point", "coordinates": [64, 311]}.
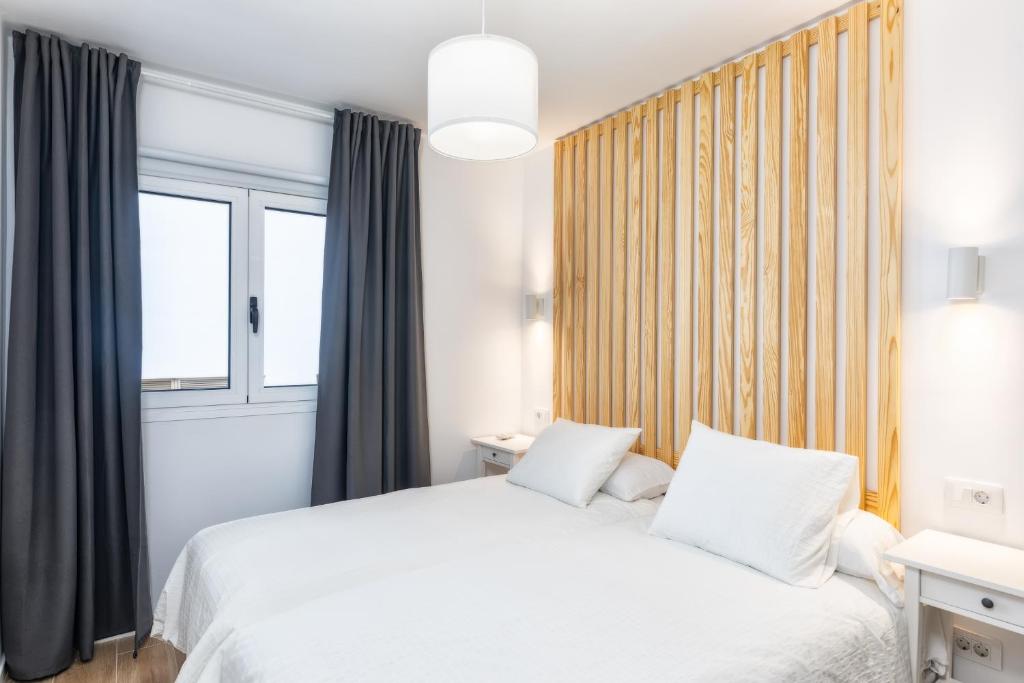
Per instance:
{"type": "Point", "coordinates": [481, 580]}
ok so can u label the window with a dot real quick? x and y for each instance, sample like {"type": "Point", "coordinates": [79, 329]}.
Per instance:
{"type": "Point", "coordinates": [231, 282]}
{"type": "Point", "coordinates": [286, 242]}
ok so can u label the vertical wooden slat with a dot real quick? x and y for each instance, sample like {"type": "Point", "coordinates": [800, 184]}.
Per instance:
{"type": "Point", "coordinates": [667, 232]}
{"type": "Point", "coordinates": [579, 379]}
{"type": "Point", "coordinates": [592, 277]}
{"type": "Point", "coordinates": [825, 242]}
{"type": "Point", "coordinates": [857, 240]}
{"type": "Point", "coordinates": [705, 235]}
{"type": "Point", "coordinates": [726, 237]}
{"type": "Point", "coordinates": [748, 252]}
{"type": "Point", "coordinates": [649, 326]}
{"type": "Point", "coordinates": [771, 324]}
{"type": "Point", "coordinates": [619, 276]}
{"type": "Point", "coordinates": [684, 391]}
{"type": "Point", "coordinates": [797, 331]}
{"type": "Point", "coordinates": [633, 269]}
{"type": "Point", "coordinates": [891, 206]}
{"type": "Point", "coordinates": [556, 295]}
{"type": "Point", "coordinates": [568, 277]}
{"type": "Point", "coordinates": [604, 350]}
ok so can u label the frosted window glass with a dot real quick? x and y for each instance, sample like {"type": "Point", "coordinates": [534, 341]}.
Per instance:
{"type": "Point", "coordinates": [293, 276]}
{"type": "Point", "coordinates": [185, 250]}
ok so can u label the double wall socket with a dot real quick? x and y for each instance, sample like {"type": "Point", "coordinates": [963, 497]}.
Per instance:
{"type": "Point", "coordinates": [974, 495]}
{"type": "Point", "coordinates": [977, 648]}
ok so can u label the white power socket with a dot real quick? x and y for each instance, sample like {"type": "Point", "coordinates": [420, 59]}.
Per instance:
{"type": "Point", "coordinates": [974, 495]}
{"type": "Point", "coordinates": [541, 417]}
{"type": "Point", "coordinates": [977, 648]}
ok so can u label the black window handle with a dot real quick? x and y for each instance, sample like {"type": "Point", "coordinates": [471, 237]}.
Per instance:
{"type": "Point", "coordinates": [254, 314]}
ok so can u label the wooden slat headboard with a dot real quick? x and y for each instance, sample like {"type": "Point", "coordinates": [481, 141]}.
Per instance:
{"type": "Point", "coordinates": [662, 316]}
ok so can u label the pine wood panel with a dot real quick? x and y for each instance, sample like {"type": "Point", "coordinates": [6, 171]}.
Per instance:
{"type": "Point", "coordinates": [627, 292]}
{"type": "Point", "coordinates": [619, 276]}
{"type": "Point", "coordinates": [725, 290]}
{"type": "Point", "coordinates": [891, 206]}
{"type": "Point", "coordinates": [748, 252]}
{"type": "Point", "coordinates": [568, 281]}
{"type": "Point", "coordinates": [771, 423]}
{"type": "Point", "coordinates": [684, 392]}
{"type": "Point", "coordinates": [579, 379]}
{"type": "Point", "coordinates": [667, 271]}
{"type": "Point", "coordinates": [633, 268]}
{"type": "Point", "coordinates": [856, 421]}
{"type": "Point", "coordinates": [556, 295]}
{"type": "Point", "coordinates": [649, 326]}
{"type": "Point", "coordinates": [825, 242]}
{"type": "Point", "coordinates": [705, 235]}
{"type": "Point", "coordinates": [592, 278]}
{"type": "Point", "coordinates": [797, 327]}
{"type": "Point", "coordinates": [604, 317]}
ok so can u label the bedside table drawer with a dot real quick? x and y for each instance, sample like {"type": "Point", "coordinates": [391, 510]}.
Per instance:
{"type": "Point", "coordinates": [496, 457]}
{"type": "Point", "coordinates": [990, 603]}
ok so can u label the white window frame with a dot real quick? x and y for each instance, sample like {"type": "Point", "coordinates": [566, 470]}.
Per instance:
{"type": "Point", "coordinates": [238, 313]}
{"type": "Point", "coordinates": [259, 202]}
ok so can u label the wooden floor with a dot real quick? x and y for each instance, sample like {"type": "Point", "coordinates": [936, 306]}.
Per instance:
{"type": "Point", "coordinates": [158, 662]}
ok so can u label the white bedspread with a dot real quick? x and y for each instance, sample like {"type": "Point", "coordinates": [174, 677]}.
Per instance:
{"type": "Point", "coordinates": [433, 586]}
{"type": "Point", "coordinates": [242, 572]}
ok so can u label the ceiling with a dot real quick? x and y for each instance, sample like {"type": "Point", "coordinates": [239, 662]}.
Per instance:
{"type": "Point", "coordinates": [595, 55]}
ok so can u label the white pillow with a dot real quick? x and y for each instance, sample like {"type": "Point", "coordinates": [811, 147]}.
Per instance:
{"type": "Point", "coordinates": [865, 540]}
{"type": "Point", "coordinates": [771, 507]}
{"type": "Point", "coordinates": [638, 476]}
{"type": "Point", "coordinates": [570, 461]}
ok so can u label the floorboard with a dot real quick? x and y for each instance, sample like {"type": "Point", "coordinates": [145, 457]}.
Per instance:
{"type": "Point", "coordinates": [158, 662]}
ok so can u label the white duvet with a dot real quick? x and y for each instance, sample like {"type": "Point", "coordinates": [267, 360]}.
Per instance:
{"type": "Point", "coordinates": [481, 581]}
{"type": "Point", "coordinates": [247, 571]}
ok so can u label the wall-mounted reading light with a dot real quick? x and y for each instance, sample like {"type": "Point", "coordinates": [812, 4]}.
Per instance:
{"type": "Point", "coordinates": [965, 273]}
{"type": "Point", "coordinates": [533, 307]}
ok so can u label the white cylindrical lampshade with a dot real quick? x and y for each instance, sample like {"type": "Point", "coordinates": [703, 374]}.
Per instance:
{"type": "Point", "coordinates": [482, 98]}
{"type": "Point", "coordinates": [962, 281]}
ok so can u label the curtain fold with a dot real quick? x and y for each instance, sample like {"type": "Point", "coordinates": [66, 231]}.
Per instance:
{"type": "Point", "coordinates": [73, 554]}
{"type": "Point", "coordinates": [371, 424]}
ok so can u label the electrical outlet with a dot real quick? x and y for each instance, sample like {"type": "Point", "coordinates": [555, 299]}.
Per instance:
{"type": "Point", "coordinates": [977, 648]}
{"type": "Point", "coordinates": [541, 417]}
{"type": "Point", "coordinates": [974, 495]}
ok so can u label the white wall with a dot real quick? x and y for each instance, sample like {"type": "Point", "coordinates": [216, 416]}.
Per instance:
{"type": "Point", "coordinates": [472, 255]}
{"type": "Point", "coordinates": [538, 278]}
{"type": "Point", "coordinates": [963, 365]}
{"type": "Point", "coordinates": [202, 472]}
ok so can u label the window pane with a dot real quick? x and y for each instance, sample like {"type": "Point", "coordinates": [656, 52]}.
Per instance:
{"type": "Point", "coordinates": [185, 246]}
{"type": "Point", "coordinates": [293, 277]}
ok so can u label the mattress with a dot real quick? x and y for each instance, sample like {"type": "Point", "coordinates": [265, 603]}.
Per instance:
{"type": "Point", "coordinates": [486, 581]}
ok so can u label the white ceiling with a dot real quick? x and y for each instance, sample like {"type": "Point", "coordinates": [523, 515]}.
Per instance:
{"type": "Point", "coordinates": [595, 55]}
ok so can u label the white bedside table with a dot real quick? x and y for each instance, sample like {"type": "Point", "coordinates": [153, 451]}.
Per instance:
{"type": "Point", "coordinates": [504, 454]}
{"type": "Point", "coordinates": [975, 579]}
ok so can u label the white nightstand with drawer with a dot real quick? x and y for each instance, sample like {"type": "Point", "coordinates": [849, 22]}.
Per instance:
{"type": "Point", "coordinates": [501, 453]}
{"type": "Point", "coordinates": [975, 579]}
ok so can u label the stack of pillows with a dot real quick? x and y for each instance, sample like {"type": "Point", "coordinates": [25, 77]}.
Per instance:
{"type": "Point", "coordinates": [791, 513]}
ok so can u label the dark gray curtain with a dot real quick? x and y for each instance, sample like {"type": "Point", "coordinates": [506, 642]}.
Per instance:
{"type": "Point", "coordinates": [371, 422]}
{"type": "Point", "coordinates": [73, 556]}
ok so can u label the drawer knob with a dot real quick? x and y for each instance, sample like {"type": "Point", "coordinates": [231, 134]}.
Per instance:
{"type": "Point", "coordinates": [987, 603]}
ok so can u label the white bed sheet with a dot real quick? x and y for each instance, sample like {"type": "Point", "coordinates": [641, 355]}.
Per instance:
{"type": "Point", "coordinates": [244, 572]}
{"type": "Point", "coordinates": [607, 604]}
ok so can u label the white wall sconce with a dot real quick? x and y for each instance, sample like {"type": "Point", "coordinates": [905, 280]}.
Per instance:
{"type": "Point", "coordinates": [965, 274]}
{"type": "Point", "coordinates": [533, 307]}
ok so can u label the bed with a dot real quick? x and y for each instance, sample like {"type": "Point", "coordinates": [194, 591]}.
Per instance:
{"type": "Point", "coordinates": [481, 580]}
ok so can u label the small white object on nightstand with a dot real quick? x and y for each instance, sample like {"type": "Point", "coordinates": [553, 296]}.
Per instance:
{"type": "Point", "coordinates": [975, 579]}
{"type": "Point", "coordinates": [503, 453]}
